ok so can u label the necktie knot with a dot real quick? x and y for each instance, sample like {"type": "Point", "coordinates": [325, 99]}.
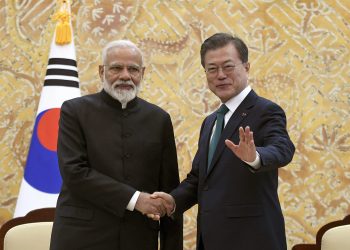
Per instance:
{"type": "Point", "coordinates": [223, 109]}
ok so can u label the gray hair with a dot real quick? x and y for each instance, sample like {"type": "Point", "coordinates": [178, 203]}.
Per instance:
{"type": "Point", "coordinates": [120, 44]}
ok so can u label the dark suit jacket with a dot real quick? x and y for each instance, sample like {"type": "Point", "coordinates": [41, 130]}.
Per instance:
{"type": "Point", "coordinates": [105, 154]}
{"type": "Point", "coordinates": [239, 207]}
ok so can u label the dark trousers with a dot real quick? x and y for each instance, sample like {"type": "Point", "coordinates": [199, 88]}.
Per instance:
{"type": "Point", "coordinates": [200, 243]}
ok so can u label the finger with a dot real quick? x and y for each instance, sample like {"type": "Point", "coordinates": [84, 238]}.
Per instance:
{"type": "Point", "coordinates": [161, 208]}
{"type": "Point", "coordinates": [241, 134]}
{"type": "Point", "coordinates": [166, 197]}
{"type": "Point", "coordinates": [153, 216]}
{"type": "Point", "coordinates": [159, 205]}
{"type": "Point", "coordinates": [251, 139]}
{"type": "Point", "coordinates": [168, 205]}
{"type": "Point", "coordinates": [169, 213]}
{"type": "Point", "coordinates": [167, 201]}
{"type": "Point", "coordinates": [170, 209]}
{"type": "Point", "coordinates": [156, 217]}
{"type": "Point", "coordinates": [247, 134]}
{"type": "Point", "coordinates": [152, 208]}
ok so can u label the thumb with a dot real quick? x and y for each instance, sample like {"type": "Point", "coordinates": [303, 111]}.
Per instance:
{"type": "Point", "coordinates": [230, 144]}
{"type": "Point", "coordinates": [156, 195]}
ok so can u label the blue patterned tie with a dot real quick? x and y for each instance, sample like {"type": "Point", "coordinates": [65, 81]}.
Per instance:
{"type": "Point", "coordinates": [220, 115]}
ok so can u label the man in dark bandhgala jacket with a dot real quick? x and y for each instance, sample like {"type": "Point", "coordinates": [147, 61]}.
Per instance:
{"type": "Point", "coordinates": [114, 149]}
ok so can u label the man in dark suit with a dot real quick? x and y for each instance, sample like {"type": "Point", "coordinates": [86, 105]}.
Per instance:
{"type": "Point", "coordinates": [114, 149]}
{"type": "Point", "coordinates": [234, 175]}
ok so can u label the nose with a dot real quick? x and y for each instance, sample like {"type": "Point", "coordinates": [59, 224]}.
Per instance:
{"type": "Point", "coordinates": [221, 74]}
{"type": "Point", "coordinates": [124, 74]}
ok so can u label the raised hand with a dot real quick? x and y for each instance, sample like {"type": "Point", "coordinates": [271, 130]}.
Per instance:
{"type": "Point", "coordinates": [149, 205]}
{"type": "Point", "coordinates": [167, 201]}
{"type": "Point", "coordinates": [245, 150]}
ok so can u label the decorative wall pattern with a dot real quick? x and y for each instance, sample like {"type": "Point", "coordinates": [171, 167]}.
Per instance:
{"type": "Point", "coordinates": [299, 54]}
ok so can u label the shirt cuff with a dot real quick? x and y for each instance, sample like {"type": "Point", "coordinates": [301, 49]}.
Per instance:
{"type": "Point", "coordinates": [256, 164]}
{"type": "Point", "coordinates": [133, 200]}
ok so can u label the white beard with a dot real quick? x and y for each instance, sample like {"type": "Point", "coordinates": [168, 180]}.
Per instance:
{"type": "Point", "coordinates": [122, 95]}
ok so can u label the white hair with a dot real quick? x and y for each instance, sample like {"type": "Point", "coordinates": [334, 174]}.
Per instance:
{"type": "Point", "coordinates": [120, 44]}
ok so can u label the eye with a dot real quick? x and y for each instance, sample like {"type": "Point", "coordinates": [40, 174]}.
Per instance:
{"type": "Point", "coordinates": [212, 70]}
{"type": "Point", "coordinates": [115, 68]}
{"type": "Point", "coordinates": [133, 69]}
{"type": "Point", "coordinates": [228, 68]}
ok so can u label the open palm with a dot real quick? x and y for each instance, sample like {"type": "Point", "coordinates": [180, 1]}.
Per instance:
{"type": "Point", "coordinates": [245, 150]}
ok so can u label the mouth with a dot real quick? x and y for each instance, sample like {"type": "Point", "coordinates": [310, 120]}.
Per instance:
{"type": "Point", "coordinates": [124, 86]}
{"type": "Point", "coordinates": [222, 85]}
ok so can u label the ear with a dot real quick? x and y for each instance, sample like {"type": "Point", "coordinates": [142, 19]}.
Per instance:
{"type": "Point", "coordinates": [142, 71]}
{"type": "Point", "coordinates": [247, 66]}
{"type": "Point", "coordinates": [101, 71]}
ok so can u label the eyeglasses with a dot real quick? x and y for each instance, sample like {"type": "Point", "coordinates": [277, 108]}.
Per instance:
{"type": "Point", "coordinates": [227, 69]}
{"type": "Point", "coordinates": [117, 69]}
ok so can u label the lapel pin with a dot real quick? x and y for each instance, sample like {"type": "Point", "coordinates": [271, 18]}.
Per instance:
{"type": "Point", "coordinates": [244, 114]}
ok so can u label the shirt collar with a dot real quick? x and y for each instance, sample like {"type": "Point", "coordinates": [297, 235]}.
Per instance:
{"type": "Point", "coordinates": [235, 101]}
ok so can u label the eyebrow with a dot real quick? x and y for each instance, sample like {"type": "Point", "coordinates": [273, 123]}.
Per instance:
{"type": "Point", "coordinates": [227, 61]}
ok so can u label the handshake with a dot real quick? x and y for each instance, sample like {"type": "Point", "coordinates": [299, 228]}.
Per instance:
{"type": "Point", "coordinates": [155, 205]}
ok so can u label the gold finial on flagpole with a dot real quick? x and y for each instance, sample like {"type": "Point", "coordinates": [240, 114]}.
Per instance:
{"type": "Point", "coordinates": [63, 28]}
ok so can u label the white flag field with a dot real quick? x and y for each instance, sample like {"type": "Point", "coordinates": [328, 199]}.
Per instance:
{"type": "Point", "coordinates": [42, 181]}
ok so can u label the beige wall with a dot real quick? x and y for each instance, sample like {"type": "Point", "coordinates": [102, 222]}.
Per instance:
{"type": "Point", "coordinates": [299, 54]}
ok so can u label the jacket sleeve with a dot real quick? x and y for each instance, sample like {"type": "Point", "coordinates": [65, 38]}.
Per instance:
{"type": "Point", "coordinates": [78, 176]}
{"type": "Point", "coordinates": [277, 149]}
{"type": "Point", "coordinates": [186, 194]}
{"type": "Point", "coordinates": [171, 229]}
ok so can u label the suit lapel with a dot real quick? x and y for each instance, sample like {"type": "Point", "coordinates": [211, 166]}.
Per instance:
{"type": "Point", "coordinates": [232, 126]}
